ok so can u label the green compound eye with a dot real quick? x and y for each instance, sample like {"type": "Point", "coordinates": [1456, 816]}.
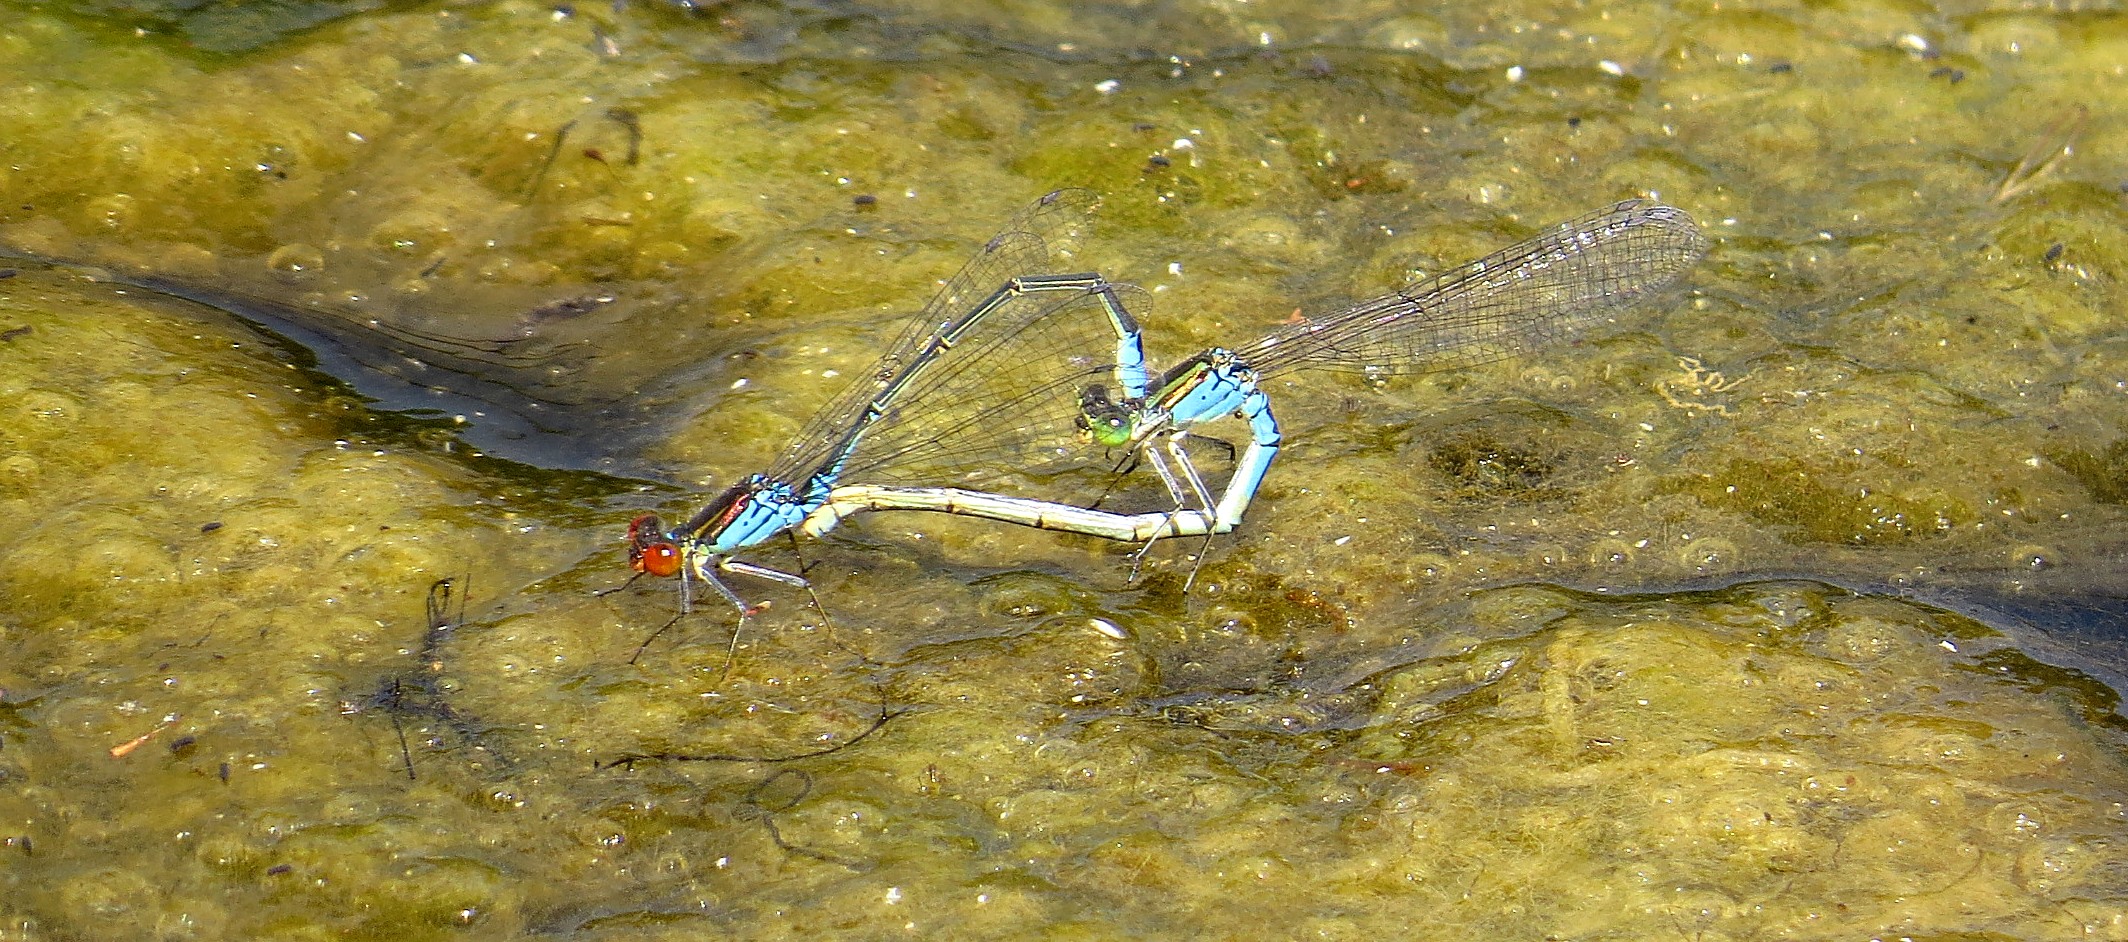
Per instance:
{"type": "Point", "coordinates": [1111, 431]}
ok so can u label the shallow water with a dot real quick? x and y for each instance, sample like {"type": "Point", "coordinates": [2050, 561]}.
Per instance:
{"type": "Point", "coordinates": [1788, 607]}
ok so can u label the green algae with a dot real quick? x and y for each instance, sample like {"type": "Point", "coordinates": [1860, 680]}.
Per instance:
{"type": "Point", "coordinates": [1881, 377]}
{"type": "Point", "coordinates": [2105, 473]}
{"type": "Point", "coordinates": [1810, 502]}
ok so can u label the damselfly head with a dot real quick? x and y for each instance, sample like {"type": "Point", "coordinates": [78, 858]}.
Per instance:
{"type": "Point", "coordinates": [1102, 420]}
{"type": "Point", "coordinates": [650, 550]}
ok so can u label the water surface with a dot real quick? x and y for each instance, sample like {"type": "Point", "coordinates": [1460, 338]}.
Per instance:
{"type": "Point", "coordinates": [1788, 607]}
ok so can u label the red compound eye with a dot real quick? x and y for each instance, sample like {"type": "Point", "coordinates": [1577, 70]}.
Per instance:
{"type": "Point", "coordinates": [659, 559]}
{"type": "Point", "coordinates": [648, 549]}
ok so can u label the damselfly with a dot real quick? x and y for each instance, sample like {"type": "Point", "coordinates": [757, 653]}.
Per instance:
{"type": "Point", "coordinates": [1568, 277]}
{"type": "Point", "coordinates": [983, 380]}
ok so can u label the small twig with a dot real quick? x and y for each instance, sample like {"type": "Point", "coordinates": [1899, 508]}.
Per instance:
{"type": "Point", "coordinates": [631, 759]}
{"type": "Point", "coordinates": [126, 748]}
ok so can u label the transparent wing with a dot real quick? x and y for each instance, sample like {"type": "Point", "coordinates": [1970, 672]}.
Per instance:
{"type": "Point", "coordinates": [1041, 239]}
{"type": "Point", "coordinates": [1571, 276]}
{"type": "Point", "coordinates": [1002, 407]}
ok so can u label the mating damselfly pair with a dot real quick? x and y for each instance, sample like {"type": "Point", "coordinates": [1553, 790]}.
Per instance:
{"type": "Point", "coordinates": [1024, 362]}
